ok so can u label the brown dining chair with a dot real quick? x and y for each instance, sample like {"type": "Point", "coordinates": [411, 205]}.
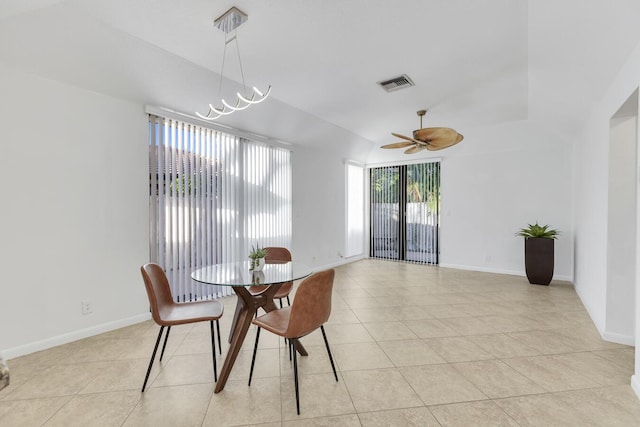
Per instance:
{"type": "Point", "coordinates": [310, 310]}
{"type": "Point", "coordinates": [276, 255]}
{"type": "Point", "coordinates": [167, 313]}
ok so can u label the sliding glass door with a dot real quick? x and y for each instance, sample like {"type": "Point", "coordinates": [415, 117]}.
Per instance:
{"type": "Point", "coordinates": [405, 212]}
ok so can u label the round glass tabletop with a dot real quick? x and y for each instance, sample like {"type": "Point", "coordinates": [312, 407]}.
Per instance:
{"type": "Point", "coordinates": [238, 274]}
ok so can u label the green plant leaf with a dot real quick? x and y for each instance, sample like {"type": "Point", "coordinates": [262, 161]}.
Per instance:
{"type": "Point", "coordinates": [539, 231]}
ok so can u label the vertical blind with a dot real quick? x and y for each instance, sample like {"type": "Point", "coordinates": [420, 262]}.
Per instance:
{"type": "Point", "coordinates": [405, 212]}
{"type": "Point", "coordinates": [212, 196]}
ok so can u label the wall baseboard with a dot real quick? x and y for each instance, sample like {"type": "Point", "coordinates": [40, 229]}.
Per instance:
{"type": "Point", "coordinates": [619, 338]}
{"type": "Point", "coordinates": [635, 384]}
{"type": "Point", "coordinates": [11, 353]}
{"type": "Point", "coordinates": [500, 271]}
{"type": "Point", "coordinates": [343, 261]}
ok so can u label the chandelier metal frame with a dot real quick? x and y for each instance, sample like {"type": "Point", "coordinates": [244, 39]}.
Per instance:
{"type": "Point", "coordinates": [229, 22]}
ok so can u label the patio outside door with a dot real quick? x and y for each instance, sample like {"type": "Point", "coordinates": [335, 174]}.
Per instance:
{"type": "Point", "coordinates": [405, 213]}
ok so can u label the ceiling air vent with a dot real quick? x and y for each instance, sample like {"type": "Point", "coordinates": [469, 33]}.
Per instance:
{"type": "Point", "coordinates": [396, 83]}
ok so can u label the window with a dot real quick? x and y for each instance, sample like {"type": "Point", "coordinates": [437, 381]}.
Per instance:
{"type": "Point", "coordinates": [212, 196]}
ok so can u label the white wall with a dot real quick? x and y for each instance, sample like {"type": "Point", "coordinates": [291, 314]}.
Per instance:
{"type": "Point", "coordinates": [75, 208]}
{"type": "Point", "coordinates": [319, 206]}
{"type": "Point", "coordinates": [74, 212]}
{"type": "Point", "coordinates": [590, 191]}
{"type": "Point", "coordinates": [494, 182]}
{"type": "Point", "coordinates": [621, 231]}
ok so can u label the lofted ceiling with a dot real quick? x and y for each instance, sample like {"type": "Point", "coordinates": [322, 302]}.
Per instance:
{"type": "Point", "coordinates": [474, 63]}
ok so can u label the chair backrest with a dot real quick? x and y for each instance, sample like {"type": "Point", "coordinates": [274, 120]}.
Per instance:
{"type": "Point", "coordinates": [158, 289]}
{"type": "Point", "coordinates": [275, 254]}
{"type": "Point", "coordinates": [311, 306]}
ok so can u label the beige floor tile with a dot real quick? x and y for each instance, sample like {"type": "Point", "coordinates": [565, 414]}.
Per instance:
{"type": "Point", "coordinates": [353, 292]}
{"type": "Point", "coordinates": [122, 375]}
{"type": "Point", "coordinates": [389, 331]}
{"type": "Point", "coordinates": [543, 410]}
{"type": "Point", "coordinates": [502, 346]}
{"type": "Point", "coordinates": [550, 373]}
{"type": "Point", "coordinates": [380, 314]}
{"type": "Point", "coordinates": [239, 404]}
{"type": "Point", "coordinates": [320, 396]}
{"type": "Point", "coordinates": [484, 413]}
{"type": "Point", "coordinates": [458, 349]}
{"type": "Point", "coordinates": [510, 323]}
{"type": "Point", "coordinates": [316, 362]}
{"type": "Point", "coordinates": [364, 302]}
{"type": "Point", "coordinates": [621, 403]}
{"type": "Point", "coordinates": [142, 347]}
{"type": "Point", "coordinates": [539, 331]}
{"type": "Point", "coordinates": [624, 357]}
{"type": "Point", "coordinates": [411, 417]}
{"type": "Point", "coordinates": [411, 312]}
{"type": "Point", "coordinates": [596, 368]}
{"type": "Point", "coordinates": [397, 300]}
{"type": "Point", "coordinates": [439, 384]}
{"type": "Point", "coordinates": [446, 311]}
{"type": "Point", "coordinates": [185, 369]}
{"type": "Point", "coordinates": [59, 381]}
{"type": "Point", "coordinates": [184, 405]}
{"type": "Point", "coordinates": [31, 412]}
{"type": "Point", "coordinates": [610, 406]}
{"type": "Point", "coordinates": [342, 316]}
{"type": "Point", "coordinates": [380, 389]}
{"type": "Point", "coordinates": [546, 342]}
{"type": "Point", "coordinates": [430, 328]}
{"type": "Point", "coordinates": [100, 409]}
{"type": "Point", "coordinates": [267, 364]}
{"type": "Point", "coordinates": [358, 356]}
{"type": "Point", "coordinates": [342, 334]}
{"type": "Point", "coordinates": [410, 353]}
{"type": "Point", "coordinates": [470, 326]}
{"type": "Point", "coordinates": [341, 420]}
{"type": "Point", "coordinates": [586, 338]}
{"type": "Point", "coordinates": [496, 379]}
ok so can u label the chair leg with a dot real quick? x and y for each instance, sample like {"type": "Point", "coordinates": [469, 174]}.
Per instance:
{"type": "Point", "coordinates": [280, 301]}
{"type": "Point", "coordinates": [166, 337]}
{"type": "Point", "coordinates": [253, 358]}
{"type": "Point", "coordinates": [288, 302]}
{"type": "Point", "coordinates": [295, 375]}
{"type": "Point", "coordinates": [153, 356]}
{"type": "Point", "coordinates": [326, 343]}
{"type": "Point", "coordinates": [213, 351]}
{"type": "Point", "coordinates": [219, 341]}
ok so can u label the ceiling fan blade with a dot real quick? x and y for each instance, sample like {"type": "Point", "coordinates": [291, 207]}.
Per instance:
{"type": "Point", "coordinates": [428, 134]}
{"type": "Point", "coordinates": [415, 149]}
{"type": "Point", "coordinates": [399, 144]}
{"type": "Point", "coordinates": [440, 143]}
{"type": "Point", "coordinates": [438, 138]}
{"type": "Point", "coordinates": [397, 135]}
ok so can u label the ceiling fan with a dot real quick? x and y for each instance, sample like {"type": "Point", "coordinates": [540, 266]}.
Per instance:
{"type": "Point", "coordinates": [431, 139]}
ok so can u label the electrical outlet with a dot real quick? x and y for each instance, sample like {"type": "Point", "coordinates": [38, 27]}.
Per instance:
{"type": "Point", "coordinates": [87, 307]}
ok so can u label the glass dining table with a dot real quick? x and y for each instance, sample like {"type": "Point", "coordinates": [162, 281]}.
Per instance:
{"type": "Point", "coordinates": [240, 278]}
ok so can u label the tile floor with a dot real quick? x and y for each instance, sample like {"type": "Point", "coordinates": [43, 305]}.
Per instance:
{"type": "Point", "coordinates": [414, 346]}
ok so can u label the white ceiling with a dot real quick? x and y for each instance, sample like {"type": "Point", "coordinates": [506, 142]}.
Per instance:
{"type": "Point", "coordinates": [474, 63]}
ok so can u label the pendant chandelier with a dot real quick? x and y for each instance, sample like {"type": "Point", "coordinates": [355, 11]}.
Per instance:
{"type": "Point", "coordinates": [229, 23]}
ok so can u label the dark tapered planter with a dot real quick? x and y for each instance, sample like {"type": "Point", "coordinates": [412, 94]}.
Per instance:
{"type": "Point", "coordinates": [538, 260]}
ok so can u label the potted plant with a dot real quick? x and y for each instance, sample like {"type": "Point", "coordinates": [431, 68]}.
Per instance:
{"type": "Point", "coordinates": [257, 256]}
{"type": "Point", "coordinates": [538, 252]}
